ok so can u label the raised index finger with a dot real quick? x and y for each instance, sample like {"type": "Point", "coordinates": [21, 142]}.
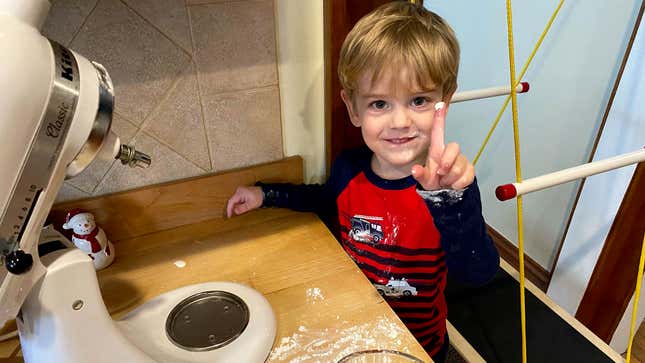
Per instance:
{"type": "Point", "coordinates": [437, 133]}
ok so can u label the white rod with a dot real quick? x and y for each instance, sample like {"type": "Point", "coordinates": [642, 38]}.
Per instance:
{"type": "Point", "coordinates": [509, 191]}
{"type": "Point", "coordinates": [488, 92]}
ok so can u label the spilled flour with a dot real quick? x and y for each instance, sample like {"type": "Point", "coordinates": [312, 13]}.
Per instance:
{"type": "Point", "coordinates": [330, 345]}
{"type": "Point", "coordinates": [314, 294]}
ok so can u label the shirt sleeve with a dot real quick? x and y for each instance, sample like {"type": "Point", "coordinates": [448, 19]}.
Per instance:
{"type": "Point", "coordinates": [316, 198]}
{"type": "Point", "coordinates": [471, 255]}
{"type": "Point", "coordinates": [299, 197]}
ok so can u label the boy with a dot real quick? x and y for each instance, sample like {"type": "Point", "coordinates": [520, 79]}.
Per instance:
{"type": "Point", "coordinates": [408, 205]}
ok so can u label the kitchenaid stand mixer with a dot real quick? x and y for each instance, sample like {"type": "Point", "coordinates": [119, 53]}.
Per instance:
{"type": "Point", "coordinates": [55, 117]}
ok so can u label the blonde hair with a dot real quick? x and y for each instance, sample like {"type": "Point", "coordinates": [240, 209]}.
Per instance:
{"type": "Point", "coordinates": [401, 34]}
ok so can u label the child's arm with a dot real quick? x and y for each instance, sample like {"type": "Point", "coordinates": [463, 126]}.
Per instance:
{"type": "Point", "coordinates": [303, 198]}
{"type": "Point", "coordinates": [448, 186]}
{"type": "Point", "coordinates": [471, 255]}
{"type": "Point", "coordinates": [317, 198]}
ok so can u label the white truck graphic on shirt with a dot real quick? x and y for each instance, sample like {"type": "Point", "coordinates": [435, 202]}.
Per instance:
{"type": "Point", "coordinates": [395, 288]}
{"type": "Point", "coordinates": [366, 229]}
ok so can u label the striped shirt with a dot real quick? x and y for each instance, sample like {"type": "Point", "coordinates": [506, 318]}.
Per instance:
{"type": "Point", "coordinates": [405, 240]}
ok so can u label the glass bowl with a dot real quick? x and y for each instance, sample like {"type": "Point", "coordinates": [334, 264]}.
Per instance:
{"type": "Point", "coordinates": [379, 356]}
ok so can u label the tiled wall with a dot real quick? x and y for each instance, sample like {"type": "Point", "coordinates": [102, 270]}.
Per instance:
{"type": "Point", "coordinates": [195, 81]}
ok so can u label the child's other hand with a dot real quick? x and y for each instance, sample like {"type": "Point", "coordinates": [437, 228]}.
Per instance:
{"type": "Point", "coordinates": [244, 200]}
{"type": "Point", "coordinates": [446, 166]}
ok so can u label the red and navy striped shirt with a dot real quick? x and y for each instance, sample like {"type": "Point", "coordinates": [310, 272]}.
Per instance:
{"type": "Point", "coordinates": [405, 240]}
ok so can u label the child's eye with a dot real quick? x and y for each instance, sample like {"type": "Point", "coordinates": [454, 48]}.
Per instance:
{"type": "Point", "coordinates": [378, 105]}
{"type": "Point", "coordinates": [420, 101]}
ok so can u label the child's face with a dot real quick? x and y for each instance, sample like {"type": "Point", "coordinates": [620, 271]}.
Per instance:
{"type": "Point", "coordinates": [396, 120]}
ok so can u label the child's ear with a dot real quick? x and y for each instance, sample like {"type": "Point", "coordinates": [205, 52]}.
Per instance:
{"type": "Point", "coordinates": [353, 116]}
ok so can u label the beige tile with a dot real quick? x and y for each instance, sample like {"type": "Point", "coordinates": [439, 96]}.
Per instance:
{"type": "Point", "coordinates": [65, 18]}
{"type": "Point", "coordinates": [90, 177]}
{"type": "Point", "coordinates": [178, 122]}
{"type": "Point", "coordinates": [234, 45]}
{"type": "Point", "coordinates": [244, 128]}
{"type": "Point", "coordinates": [166, 166]}
{"type": "Point", "coordinates": [202, 2]}
{"type": "Point", "coordinates": [124, 129]}
{"type": "Point", "coordinates": [169, 16]}
{"type": "Point", "coordinates": [69, 192]}
{"type": "Point", "coordinates": [141, 61]}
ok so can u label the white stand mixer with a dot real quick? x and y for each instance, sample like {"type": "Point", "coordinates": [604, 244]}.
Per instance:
{"type": "Point", "coordinates": [55, 117]}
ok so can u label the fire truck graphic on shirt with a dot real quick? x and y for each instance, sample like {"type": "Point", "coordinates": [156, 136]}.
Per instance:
{"type": "Point", "coordinates": [366, 229]}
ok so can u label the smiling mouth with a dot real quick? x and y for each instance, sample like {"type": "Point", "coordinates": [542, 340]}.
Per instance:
{"type": "Point", "coordinates": [399, 140]}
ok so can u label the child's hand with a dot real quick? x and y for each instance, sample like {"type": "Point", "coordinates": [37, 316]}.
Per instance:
{"type": "Point", "coordinates": [244, 200]}
{"type": "Point", "coordinates": [446, 166]}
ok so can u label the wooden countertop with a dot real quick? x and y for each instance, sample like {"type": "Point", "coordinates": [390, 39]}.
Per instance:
{"type": "Point", "coordinates": [324, 305]}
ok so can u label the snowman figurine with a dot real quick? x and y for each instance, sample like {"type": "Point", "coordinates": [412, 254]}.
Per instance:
{"type": "Point", "coordinates": [89, 237]}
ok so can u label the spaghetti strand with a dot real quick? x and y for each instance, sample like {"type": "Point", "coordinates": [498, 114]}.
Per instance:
{"type": "Point", "coordinates": [518, 173]}
{"type": "Point", "coordinates": [526, 66]}
{"type": "Point", "coordinates": [637, 293]}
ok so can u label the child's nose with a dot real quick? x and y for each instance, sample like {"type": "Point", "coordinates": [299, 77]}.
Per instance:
{"type": "Point", "coordinates": [400, 119]}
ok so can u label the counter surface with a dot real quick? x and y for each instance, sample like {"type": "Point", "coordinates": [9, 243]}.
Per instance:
{"type": "Point", "coordinates": [325, 307]}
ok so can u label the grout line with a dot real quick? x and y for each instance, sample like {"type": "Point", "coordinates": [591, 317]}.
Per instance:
{"type": "Point", "coordinates": [164, 143]}
{"type": "Point", "coordinates": [107, 171]}
{"type": "Point", "coordinates": [245, 90]}
{"type": "Point", "coordinates": [132, 123]}
{"type": "Point", "coordinates": [225, 93]}
{"type": "Point", "coordinates": [178, 77]}
{"type": "Point", "coordinates": [214, 2]}
{"type": "Point", "coordinates": [148, 118]}
{"type": "Point", "coordinates": [75, 187]}
{"type": "Point", "coordinates": [70, 185]}
{"type": "Point", "coordinates": [83, 24]}
{"type": "Point", "coordinates": [190, 29]}
{"type": "Point", "coordinates": [94, 191]}
{"type": "Point", "coordinates": [166, 96]}
{"type": "Point", "coordinates": [228, 94]}
{"type": "Point", "coordinates": [199, 93]}
{"type": "Point", "coordinates": [177, 74]}
{"type": "Point", "coordinates": [157, 28]}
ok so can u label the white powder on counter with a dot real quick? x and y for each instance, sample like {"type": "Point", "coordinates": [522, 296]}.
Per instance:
{"type": "Point", "coordinates": [314, 294]}
{"type": "Point", "coordinates": [330, 345]}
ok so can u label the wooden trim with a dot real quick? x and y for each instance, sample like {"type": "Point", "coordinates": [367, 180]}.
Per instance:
{"type": "Point", "coordinates": [461, 345]}
{"type": "Point", "coordinates": [330, 76]}
{"type": "Point", "coordinates": [612, 282]}
{"type": "Point", "coordinates": [340, 16]}
{"type": "Point", "coordinates": [160, 207]}
{"type": "Point", "coordinates": [628, 50]}
{"type": "Point", "coordinates": [510, 253]}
